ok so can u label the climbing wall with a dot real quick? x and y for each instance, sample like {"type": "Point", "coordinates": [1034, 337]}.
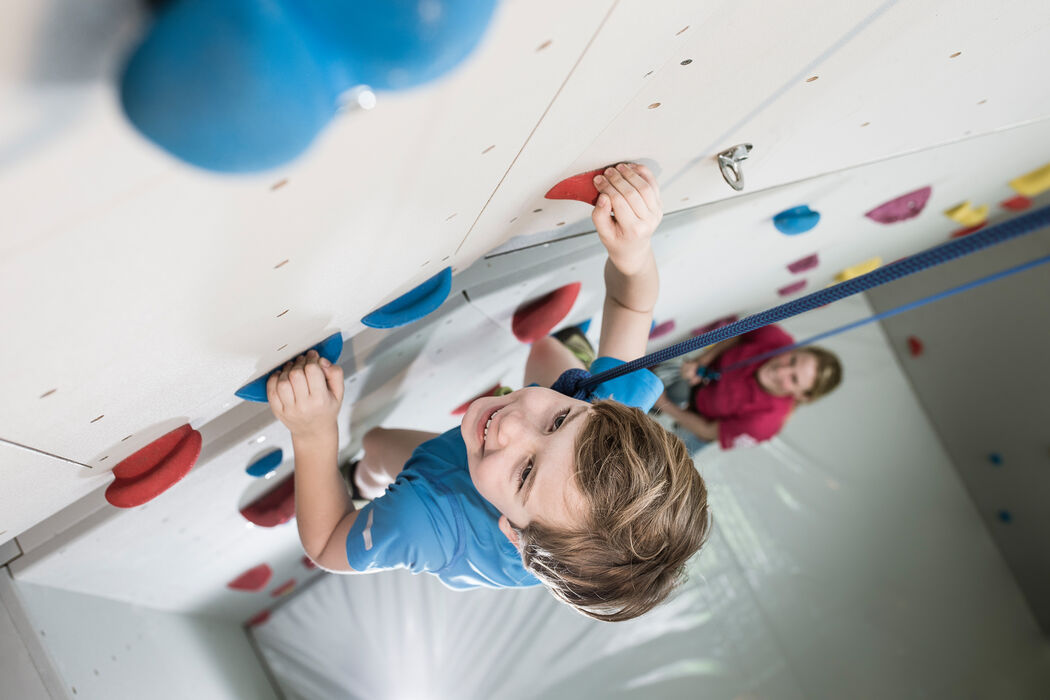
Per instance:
{"type": "Point", "coordinates": [148, 291]}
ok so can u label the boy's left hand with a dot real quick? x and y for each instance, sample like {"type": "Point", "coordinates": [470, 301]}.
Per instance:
{"type": "Point", "coordinates": [306, 395]}
{"type": "Point", "coordinates": [629, 191]}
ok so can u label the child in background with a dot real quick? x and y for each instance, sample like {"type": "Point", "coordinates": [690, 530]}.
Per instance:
{"type": "Point", "coordinates": [593, 500]}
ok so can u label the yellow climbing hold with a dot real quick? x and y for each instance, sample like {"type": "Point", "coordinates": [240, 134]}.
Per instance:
{"type": "Point", "coordinates": [1033, 183]}
{"type": "Point", "coordinates": [967, 215]}
{"type": "Point", "coordinates": [859, 269]}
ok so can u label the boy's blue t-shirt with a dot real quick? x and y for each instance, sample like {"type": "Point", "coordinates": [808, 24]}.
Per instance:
{"type": "Point", "coordinates": [433, 519]}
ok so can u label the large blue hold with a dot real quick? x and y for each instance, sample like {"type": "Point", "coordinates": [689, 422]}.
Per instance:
{"type": "Point", "coordinates": [413, 304]}
{"type": "Point", "coordinates": [330, 349]}
{"type": "Point", "coordinates": [265, 464]}
{"type": "Point", "coordinates": [246, 85]}
{"type": "Point", "coordinates": [796, 220]}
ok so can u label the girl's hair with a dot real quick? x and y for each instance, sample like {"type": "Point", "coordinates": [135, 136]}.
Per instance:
{"type": "Point", "coordinates": [648, 514]}
{"type": "Point", "coordinates": [829, 372]}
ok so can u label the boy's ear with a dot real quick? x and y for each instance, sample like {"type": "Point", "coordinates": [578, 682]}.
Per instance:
{"type": "Point", "coordinates": [507, 529]}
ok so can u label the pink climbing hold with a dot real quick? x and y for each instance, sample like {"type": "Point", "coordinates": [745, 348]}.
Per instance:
{"type": "Point", "coordinates": [661, 329]}
{"type": "Point", "coordinates": [259, 619]}
{"type": "Point", "coordinates": [254, 579]}
{"type": "Point", "coordinates": [803, 264]}
{"type": "Point", "coordinates": [792, 288]}
{"type": "Point", "coordinates": [905, 207]}
{"type": "Point", "coordinates": [714, 325]}
{"type": "Point", "coordinates": [284, 589]}
{"type": "Point", "coordinates": [1018, 203]}
{"type": "Point", "coordinates": [462, 408]}
{"type": "Point", "coordinates": [579, 187]}
{"type": "Point", "coordinates": [915, 346]}
{"type": "Point", "coordinates": [273, 508]}
{"type": "Point", "coordinates": [535, 319]}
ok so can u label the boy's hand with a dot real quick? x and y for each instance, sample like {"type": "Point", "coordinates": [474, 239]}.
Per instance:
{"type": "Point", "coordinates": [306, 394]}
{"type": "Point", "coordinates": [630, 192]}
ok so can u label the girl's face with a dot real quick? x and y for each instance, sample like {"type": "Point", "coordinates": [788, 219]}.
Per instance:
{"type": "Point", "coordinates": [521, 456]}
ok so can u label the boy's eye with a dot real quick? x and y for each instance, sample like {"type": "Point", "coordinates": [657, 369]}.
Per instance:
{"type": "Point", "coordinates": [525, 475]}
{"type": "Point", "coordinates": [560, 419]}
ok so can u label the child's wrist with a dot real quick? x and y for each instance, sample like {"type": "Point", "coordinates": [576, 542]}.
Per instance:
{"type": "Point", "coordinates": [316, 433]}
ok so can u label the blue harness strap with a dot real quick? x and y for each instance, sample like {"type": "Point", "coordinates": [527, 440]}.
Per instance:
{"type": "Point", "coordinates": [579, 384]}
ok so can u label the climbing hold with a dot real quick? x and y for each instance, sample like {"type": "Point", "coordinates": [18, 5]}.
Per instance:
{"type": "Point", "coordinates": [714, 325]}
{"type": "Point", "coordinates": [414, 304]}
{"type": "Point", "coordinates": [959, 233]}
{"type": "Point", "coordinates": [584, 326]}
{"type": "Point", "coordinates": [308, 562]}
{"type": "Point", "coordinates": [231, 86]}
{"type": "Point", "coordinates": [284, 589]}
{"type": "Point", "coordinates": [967, 215]}
{"type": "Point", "coordinates": [657, 330]}
{"type": "Point", "coordinates": [397, 44]}
{"type": "Point", "coordinates": [859, 269]}
{"type": "Point", "coordinates": [462, 408]}
{"type": "Point", "coordinates": [259, 619]}
{"type": "Point", "coordinates": [330, 349]}
{"type": "Point", "coordinates": [915, 346]}
{"type": "Point", "coordinates": [166, 472]}
{"type": "Point", "coordinates": [535, 319]}
{"type": "Point", "coordinates": [803, 264]}
{"type": "Point", "coordinates": [1033, 183]}
{"type": "Point", "coordinates": [151, 455]}
{"type": "Point", "coordinates": [579, 187]}
{"type": "Point", "coordinates": [266, 464]}
{"type": "Point", "coordinates": [796, 220]}
{"type": "Point", "coordinates": [905, 207]}
{"type": "Point", "coordinates": [995, 458]}
{"type": "Point", "coordinates": [1018, 203]}
{"type": "Point", "coordinates": [273, 508]}
{"type": "Point", "coordinates": [1005, 516]}
{"type": "Point", "coordinates": [792, 288]}
{"type": "Point", "coordinates": [254, 579]}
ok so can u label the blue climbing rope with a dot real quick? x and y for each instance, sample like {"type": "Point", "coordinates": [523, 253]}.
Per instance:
{"type": "Point", "coordinates": [579, 384]}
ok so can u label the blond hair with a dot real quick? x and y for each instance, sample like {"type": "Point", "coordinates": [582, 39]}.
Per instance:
{"type": "Point", "coordinates": [829, 372]}
{"type": "Point", "coordinates": [648, 514]}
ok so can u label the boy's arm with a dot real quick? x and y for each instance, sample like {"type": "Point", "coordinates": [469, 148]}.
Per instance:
{"type": "Point", "coordinates": [626, 215]}
{"type": "Point", "coordinates": [305, 395]}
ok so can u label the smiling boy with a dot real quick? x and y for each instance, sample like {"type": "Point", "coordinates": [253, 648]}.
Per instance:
{"type": "Point", "coordinates": [592, 499]}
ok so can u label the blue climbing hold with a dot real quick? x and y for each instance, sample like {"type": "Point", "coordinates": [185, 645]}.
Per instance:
{"type": "Point", "coordinates": [397, 44]}
{"type": "Point", "coordinates": [1005, 516]}
{"type": "Point", "coordinates": [330, 349]}
{"type": "Point", "coordinates": [230, 85]}
{"type": "Point", "coordinates": [266, 464]}
{"type": "Point", "coordinates": [796, 220]}
{"type": "Point", "coordinates": [413, 305]}
{"type": "Point", "coordinates": [584, 327]}
{"type": "Point", "coordinates": [995, 458]}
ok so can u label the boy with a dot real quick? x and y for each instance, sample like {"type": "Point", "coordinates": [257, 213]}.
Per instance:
{"type": "Point", "coordinates": [596, 501]}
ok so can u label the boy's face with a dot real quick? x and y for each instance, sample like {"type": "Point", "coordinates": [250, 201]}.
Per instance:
{"type": "Point", "coordinates": [521, 455]}
{"type": "Point", "coordinates": [791, 374]}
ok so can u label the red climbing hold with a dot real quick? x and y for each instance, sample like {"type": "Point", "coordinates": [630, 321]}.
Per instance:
{"type": "Point", "coordinates": [462, 408]}
{"type": "Point", "coordinates": [1018, 203]}
{"type": "Point", "coordinates": [308, 562]}
{"type": "Point", "coordinates": [915, 347]}
{"type": "Point", "coordinates": [152, 454]}
{"type": "Point", "coordinates": [661, 329]}
{"type": "Point", "coordinates": [579, 187]}
{"type": "Point", "coordinates": [147, 485]}
{"type": "Point", "coordinates": [273, 508]}
{"type": "Point", "coordinates": [284, 589]}
{"type": "Point", "coordinates": [968, 230]}
{"type": "Point", "coordinates": [260, 618]}
{"type": "Point", "coordinates": [535, 319]}
{"type": "Point", "coordinates": [254, 579]}
{"type": "Point", "coordinates": [792, 288]}
{"type": "Point", "coordinates": [806, 263]}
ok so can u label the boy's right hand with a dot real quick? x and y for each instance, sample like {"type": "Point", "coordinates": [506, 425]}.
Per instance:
{"type": "Point", "coordinates": [629, 191]}
{"type": "Point", "coordinates": [306, 394]}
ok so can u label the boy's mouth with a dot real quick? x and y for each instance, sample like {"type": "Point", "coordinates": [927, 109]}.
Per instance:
{"type": "Point", "coordinates": [483, 427]}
